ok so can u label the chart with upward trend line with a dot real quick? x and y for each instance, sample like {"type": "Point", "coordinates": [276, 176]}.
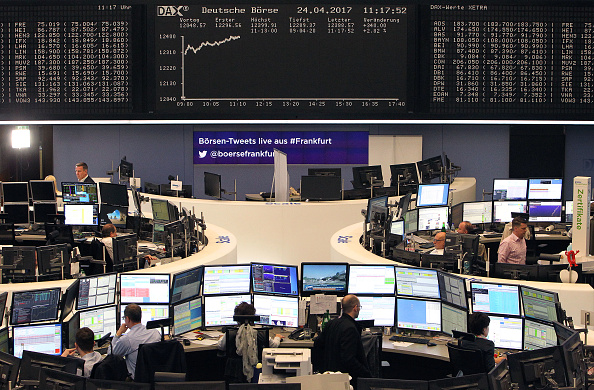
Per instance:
{"type": "Point", "coordinates": [269, 61]}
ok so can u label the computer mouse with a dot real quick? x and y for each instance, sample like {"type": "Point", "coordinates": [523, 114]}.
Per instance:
{"type": "Point", "coordinates": [186, 342]}
{"type": "Point", "coordinates": [430, 344]}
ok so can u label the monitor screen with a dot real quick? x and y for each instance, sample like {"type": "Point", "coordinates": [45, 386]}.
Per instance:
{"type": "Point", "coordinates": [126, 169]}
{"type": "Point", "coordinates": [68, 299]}
{"type": "Point", "coordinates": [397, 228]}
{"type": "Point", "coordinates": [433, 195]}
{"type": "Point", "coordinates": [186, 284]}
{"type": "Point", "coordinates": [42, 190]}
{"type": "Point", "coordinates": [380, 309]}
{"type": "Point", "coordinates": [411, 221]}
{"type": "Point", "coordinates": [324, 172]}
{"type": "Point", "coordinates": [539, 189]}
{"type": "Point", "coordinates": [495, 298]}
{"type": "Point", "coordinates": [418, 314]}
{"type": "Point", "coordinates": [417, 282]}
{"type": "Point", "coordinates": [275, 279]}
{"type": "Point", "coordinates": [502, 210]}
{"type": "Point", "coordinates": [212, 184]}
{"type": "Point", "coordinates": [151, 313]}
{"type": "Point", "coordinates": [433, 218]}
{"type": "Point", "coordinates": [453, 318]}
{"type": "Point", "coordinates": [75, 192]}
{"type": "Point", "coordinates": [379, 203]}
{"type": "Point", "coordinates": [15, 192]}
{"type": "Point", "coordinates": [219, 309]}
{"type": "Point", "coordinates": [226, 279]}
{"type": "Point", "coordinates": [430, 168]}
{"type": "Point", "coordinates": [4, 340]}
{"type": "Point", "coordinates": [35, 306]}
{"type": "Point", "coordinates": [45, 338]}
{"type": "Point", "coordinates": [125, 248]}
{"type": "Point", "coordinates": [320, 278]}
{"type": "Point", "coordinates": [453, 289]}
{"type": "Point", "coordinates": [321, 188]}
{"type": "Point", "coordinates": [81, 214]}
{"type": "Point", "coordinates": [159, 235]}
{"type": "Point", "coordinates": [277, 310]}
{"type": "Point", "coordinates": [187, 316]}
{"type": "Point", "coordinates": [404, 174]}
{"type": "Point", "coordinates": [44, 212]}
{"type": "Point", "coordinates": [17, 213]}
{"type": "Point", "coordinates": [477, 212]}
{"type": "Point", "coordinates": [101, 321]}
{"type": "Point", "coordinates": [371, 279]}
{"type": "Point", "coordinates": [543, 211]}
{"type": "Point", "coordinates": [510, 189]}
{"type": "Point", "coordinates": [506, 332]}
{"type": "Point", "coordinates": [538, 335]}
{"type": "Point", "coordinates": [569, 211]}
{"type": "Point", "coordinates": [538, 304]}
{"type": "Point", "coordinates": [144, 288]}
{"type": "Point", "coordinates": [160, 209]}
{"type": "Point", "coordinates": [96, 291]}
{"type": "Point", "coordinates": [362, 176]}
{"type": "Point", "coordinates": [113, 194]}
{"type": "Point", "coordinates": [113, 214]}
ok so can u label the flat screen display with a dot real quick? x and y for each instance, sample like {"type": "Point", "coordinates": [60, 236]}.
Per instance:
{"type": "Point", "coordinates": [411, 221]}
{"type": "Point", "coordinates": [96, 291]}
{"type": "Point", "coordinates": [101, 321]}
{"type": "Point", "coordinates": [539, 189]}
{"type": "Point", "coordinates": [372, 279]}
{"type": "Point", "coordinates": [510, 189]}
{"type": "Point", "coordinates": [45, 338]}
{"type": "Point", "coordinates": [417, 282]}
{"type": "Point", "coordinates": [275, 279]}
{"type": "Point", "coordinates": [539, 304]}
{"type": "Point", "coordinates": [15, 192]}
{"type": "Point", "coordinates": [453, 289]}
{"type": "Point", "coordinates": [219, 309]}
{"type": "Point", "coordinates": [151, 313]}
{"type": "Point", "coordinates": [160, 209]}
{"type": "Point", "coordinates": [377, 203]}
{"type": "Point", "coordinates": [397, 228]}
{"type": "Point", "coordinates": [380, 309]}
{"type": "Point", "coordinates": [506, 332]}
{"type": "Point", "coordinates": [544, 211]}
{"type": "Point", "coordinates": [433, 195]}
{"type": "Point", "coordinates": [144, 288]}
{"type": "Point", "coordinates": [502, 210]}
{"type": "Point", "coordinates": [538, 335]}
{"type": "Point", "coordinates": [81, 214]}
{"type": "Point", "coordinates": [495, 298]}
{"type": "Point", "coordinates": [321, 188]}
{"type": "Point", "coordinates": [433, 218]}
{"type": "Point", "coordinates": [187, 316]}
{"type": "Point", "coordinates": [116, 215]}
{"type": "Point", "coordinates": [42, 190]}
{"type": "Point", "coordinates": [35, 306]}
{"type": "Point", "coordinates": [453, 318]}
{"type": "Point", "coordinates": [186, 284]}
{"type": "Point", "coordinates": [74, 192]}
{"type": "Point", "coordinates": [113, 194]}
{"type": "Point", "coordinates": [17, 213]}
{"type": "Point", "coordinates": [418, 314]}
{"type": "Point", "coordinates": [277, 310]}
{"type": "Point", "coordinates": [319, 278]}
{"type": "Point", "coordinates": [477, 212]}
{"type": "Point", "coordinates": [226, 279]}
{"type": "Point", "coordinates": [44, 212]}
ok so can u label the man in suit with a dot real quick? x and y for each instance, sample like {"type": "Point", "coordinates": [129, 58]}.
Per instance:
{"type": "Point", "coordinates": [82, 173]}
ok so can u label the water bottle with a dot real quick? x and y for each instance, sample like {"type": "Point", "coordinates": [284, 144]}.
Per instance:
{"type": "Point", "coordinates": [325, 319]}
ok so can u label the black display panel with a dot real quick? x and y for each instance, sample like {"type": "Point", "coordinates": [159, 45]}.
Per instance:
{"type": "Point", "coordinates": [35, 306]}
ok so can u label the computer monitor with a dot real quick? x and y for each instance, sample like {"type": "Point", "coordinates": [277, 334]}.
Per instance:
{"type": "Point", "coordinates": [499, 378]}
{"type": "Point", "coordinates": [417, 282]}
{"type": "Point", "coordinates": [101, 321]}
{"type": "Point", "coordinates": [510, 189]}
{"type": "Point", "coordinates": [430, 168]}
{"type": "Point", "coordinates": [453, 318]}
{"type": "Point", "coordinates": [226, 279]}
{"type": "Point", "coordinates": [126, 169]}
{"type": "Point", "coordinates": [495, 298]}
{"type": "Point", "coordinates": [15, 192]}
{"type": "Point", "coordinates": [362, 176]}
{"type": "Point", "coordinates": [377, 204]}
{"type": "Point", "coordinates": [125, 248]}
{"type": "Point", "coordinates": [275, 279]}
{"type": "Point", "coordinates": [319, 278]}
{"type": "Point", "coordinates": [569, 211]}
{"type": "Point", "coordinates": [96, 291]}
{"type": "Point", "coordinates": [212, 185]}
{"type": "Point", "coordinates": [219, 309]}
{"type": "Point", "coordinates": [432, 218]}
{"type": "Point", "coordinates": [502, 211]}
{"type": "Point", "coordinates": [406, 257]}
{"type": "Point", "coordinates": [117, 215]}
{"type": "Point", "coordinates": [35, 306]}
{"type": "Point", "coordinates": [75, 192]}
{"type": "Point", "coordinates": [538, 335]}
{"type": "Point", "coordinates": [411, 221]}
{"type": "Point", "coordinates": [539, 304]}
{"type": "Point", "coordinates": [545, 189]}
{"type": "Point", "coordinates": [22, 258]}
{"type": "Point", "coordinates": [113, 194]}
{"type": "Point", "coordinates": [44, 212]}
{"type": "Point", "coordinates": [466, 382]}
{"type": "Point", "coordinates": [187, 316]}
{"type": "Point", "coordinates": [432, 195]}
{"type": "Point", "coordinates": [45, 338]}
{"type": "Point", "coordinates": [381, 309]}
{"type": "Point", "coordinates": [150, 313]}
{"type": "Point", "coordinates": [371, 279]}
{"type": "Point", "coordinates": [529, 368]}
{"type": "Point", "coordinates": [452, 289]}
{"type": "Point", "coordinates": [144, 288]}
{"type": "Point", "coordinates": [52, 260]}
{"type": "Point", "coordinates": [186, 284]}
{"type": "Point", "coordinates": [42, 191]}
{"type": "Point", "coordinates": [277, 310]}
{"type": "Point", "coordinates": [446, 262]}
{"type": "Point", "coordinates": [160, 209]}
{"type": "Point", "coordinates": [515, 271]}
{"type": "Point", "coordinates": [4, 347]}
{"type": "Point", "coordinates": [81, 214]}
{"type": "Point", "coordinates": [574, 358]}
{"type": "Point", "coordinates": [9, 366]}
{"type": "Point", "coordinates": [418, 314]}
{"type": "Point", "coordinates": [544, 211]}
{"type": "Point", "coordinates": [506, 332]}
{"type": "Point", "coordinates": [324, 172]}
{"type": "Point", "coordinates": [159, 234]}
{"type": "Point", "coordinates": [17, 213]}
{"type": "Point", "coordinates": [151, 188]}
{"type": "Point", "coordinates": [68, 300]}
{"type": "Point", "coordinates": [3, 299]}
{"type": "Point", "coordinates": [54, 379]}
{"type": "Point", "coordinates": [477, 212]}
{"type": "Point", "coordinates": [404, 174]}
{"type": "Point", "coordinates": [397, 228]}
{"type": "Point", "coordinates": [456, 214]}
{"type": "Point", "coordinates": [320, 188]}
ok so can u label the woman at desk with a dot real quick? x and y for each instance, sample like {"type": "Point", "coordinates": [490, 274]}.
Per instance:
{"type": "Point", "coordinates": [478, 324]}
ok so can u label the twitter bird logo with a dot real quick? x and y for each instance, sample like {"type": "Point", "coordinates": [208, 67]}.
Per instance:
{"type": "Point", "coordinates": [202, 153]}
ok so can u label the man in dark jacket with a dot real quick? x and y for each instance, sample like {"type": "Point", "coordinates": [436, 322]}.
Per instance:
{"type": "Point", "coordinates": [340, 343]}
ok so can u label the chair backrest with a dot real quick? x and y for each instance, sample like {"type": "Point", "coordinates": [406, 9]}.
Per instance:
{"type": "Point", "coordinates": [113, 367]}
{"type": "Point", "coordinates": [163, 356]}
{"type": "Point", "coordinates": [469, 361]}
{"type": "Point", "coordinates": [7, 235]}
{"type": "Point", "coordinates": [264, 386]}
{"type": "Point", "coordinates": [214, 385]}
{"type": "Point", "coordinates": [372, 345]}
{"type": "Point", "coordinates": [99, 384]}
{"type": "Point", "coordinates": [231, 348]}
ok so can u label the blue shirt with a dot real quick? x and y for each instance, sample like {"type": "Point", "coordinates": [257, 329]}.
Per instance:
{"type": "Point", "coordinates": [127, 344]}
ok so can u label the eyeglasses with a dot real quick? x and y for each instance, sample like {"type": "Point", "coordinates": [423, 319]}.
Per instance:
{"type": "Point", "coordinates": [434, 240]}
{"type": "Point", "coordinates": [123, 318]}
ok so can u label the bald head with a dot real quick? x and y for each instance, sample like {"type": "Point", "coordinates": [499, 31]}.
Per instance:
{"type": "Point", "coordinates": [351, 305]}
{"type": "Point", "coordinates": [439, 240]}
{"type": "Point", "coordinates": [465, 227]}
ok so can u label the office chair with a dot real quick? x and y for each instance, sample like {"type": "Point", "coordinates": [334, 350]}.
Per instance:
{"type": "Point", "coordinates": [161, 357]}
{"type": "Point", "coordinates": [214, 385]}
{"type": "Point", "coordinates": [234, 363]}
{"type": "Point", "coordinates": [99, 384]}
{"type": "Point", "coordinates": [465, 360]}
{"type": "Point", "coordinates": [264, 386]}
{"type": "Point", "coordinates": [372, 345]}
{"type": "Point", "coordinates": [7, 234]}
{"type": "Point", "coordinates": [400, 384]}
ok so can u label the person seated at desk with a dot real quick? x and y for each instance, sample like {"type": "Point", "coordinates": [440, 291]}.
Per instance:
{"type": "Point", "coordinates": [85, 341]}
{"type": "Point", "coordinates": [478, 324]}
{"type": "Point", "coordinates": [438, 244]}
{"type": "Point", "coordinates": [464, 227]}
{"type": "Point", "coordinates": [513, 249]}
{"type": "Point", "coordinates": [108, 232]}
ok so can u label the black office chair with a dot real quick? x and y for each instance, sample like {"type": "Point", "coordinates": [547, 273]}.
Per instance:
{"type": "Point", "coordinates": [372, 345]}
{"type": "Point", "coordinates": [465, 360]}
{"type": "Point", "coordinates": [99, 384]}
{"type": "Point", "coordinates": [400, 384]}
{"type": "Point", "coordinates": [533, 249]}
{"type": "Point", "coordinates": [161, 357]}
{"type": "Point", "coordinates": [214, 385]}
{"type": "Point", "coordinates": [264, 386]}
{"type": "Point", "coordinates": [234, 363]}
{"type": "Point", "coordinates": [7, 234]}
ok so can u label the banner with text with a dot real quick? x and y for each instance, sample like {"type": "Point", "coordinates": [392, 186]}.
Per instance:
{"type": "Point", "coordinates": [301, 147]}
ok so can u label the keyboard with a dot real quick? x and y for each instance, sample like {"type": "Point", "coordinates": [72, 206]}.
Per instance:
{"type": "Point", "coordinates": [408, 339]}
{"type": "Point", "coordinates": [492, 235]}
{"type": "Point", "coordinates": [427, 245]}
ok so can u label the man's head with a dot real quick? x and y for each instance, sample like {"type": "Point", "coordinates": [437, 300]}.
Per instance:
{"type": "Point", "coordinates": [439, 240]}
{"type": "Point", "coordinates": [132, 315]}
{"type": "Point", "coordinates": [109, 230]}
{"type": "Point", "coordinates": [85, 340]}
{"type": "Point", "coordinates": [351, 305]}
{"type": "Point", "coordinates": [479, 324]}
{"type": "Point", "coordinates": [465, 227]}
{"type": "Point", "coordinates": [82, 170]}
{"type": "Point", "coordinates": [519, 227]}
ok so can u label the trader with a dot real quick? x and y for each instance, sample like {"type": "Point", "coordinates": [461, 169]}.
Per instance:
{"type": "Point", "coordinates": [247, 309]}
{"type": "Point", "coordinates": [339, 345]}
{"type": "Point", "coordinates": [108, 232]}
{"type": "Point", "coordinates": [85, 341]}
{"type": "Point", "coordinates": [464, 227]}
{"type": "Point", "coordinates": [513, 248]}
{"type": "Point", "coordinates": [478, 324]}
{"type": "Point", "coordinates": [438, 243]}
{"type": "Point", "coordinates": [82, 173]}
{"type": "Point", "coordinates": [126, 343]}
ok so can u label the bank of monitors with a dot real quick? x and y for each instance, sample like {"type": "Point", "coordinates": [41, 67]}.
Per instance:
{"type": "Point", "coordinates": [44, 212]}
{"type": "Point", "coordinates": [545, 189]}
{"type": "Point", "coordinates": [96, 291]}
{"type": "Point", "coordinates": [42, 191]}
{"type": "Point", "coordinates": [495, 298]}
{"type": "Point", "coordinates": [15, 192]}
{"type": "Point", "coordinates": [275, 279]}
{"type": "Point", "coordinates": [101, 320]}
{"type": "Point", "coordinates": [378, 308]}
{"type": "Point", "coordinates": [453, 318]}
{"type": "Point", "coordinates": [418, 314]}
{"type": "Point", "coordinates": [538, 335]}
{"type": "Point", "coordinates": [46, 338]}
{"type": "Point", "coordinates": [113, 194]}
{"type": "Point", "coordinates": [539, 304]}
{"type": "Point", "coordinates": [432, 218]}
{"type": "Point", "coordinates": [453, 290]}
{"type": "Point", "coordinates": [212, 185]}
{"type": "Point", "coordinates": [506, 332]}
{"type": "Point", "coordinates": [219, 309]}
{"type": "Point", "coordinates": [371, 279]}
{"type": "Point", "coordinates": [277, 310]}
{"type": "Point", "coordinates": [411, 221]}
{"type": "Point", "coordinates": [160, 209]}
{"type": "Point", "coordinates": [144, 288]}
{"type": "Point", "coordinates": [510, 189]}
{"type": "Point", "coordinates": [17, 213]}
{"type": "Point", "coordinates": [186, 284]}
{"type": "Point", "coordinates": [227, 279]}
{"type": "Point", "coordinates": [544, 211]}
{"type": "Point", "coordinates": [376, 205]}
{"type": "Point", "coordinates": [187, 316]}
{"type": "Point", "coordinates": [433, 195]}
{"type": "Point", "coordinates": [150, 313]}
{"type": "Point", "coordinates": [502, 211]}
{"type": "Point", "coordinates": [75, 192]}
{"type": "Point", "coordinates": [319, 278]}
{"type": "Point", "coordinates": [417, 282]}
{"type": "Point", "coordinates": [81, 214]}
{"type": "Point", "coordinates": [362, 176]}
{"type": "Point", "coordinates": [35, 306]}
{"type": "Point", "coordinates": [319, 188]}
{"type": "Point", "coordinates": [117, 215]}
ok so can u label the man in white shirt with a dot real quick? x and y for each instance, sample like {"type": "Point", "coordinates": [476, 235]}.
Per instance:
{"type": "Point", "coordinates": [438, 243]}
{"type": "Point", "coordinates": [85, 341]}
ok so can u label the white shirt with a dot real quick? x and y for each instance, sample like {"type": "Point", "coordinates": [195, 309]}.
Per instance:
{"type": "Point", "coordinates": [91, 359]}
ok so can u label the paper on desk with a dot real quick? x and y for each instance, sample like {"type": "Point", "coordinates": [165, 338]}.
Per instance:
{"type": "Point", "coordinates": [319, 303]}
{"type": "Point", "coordinates": [401, 344]}
{"type": "Point", "coordinates": [302, 317]}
